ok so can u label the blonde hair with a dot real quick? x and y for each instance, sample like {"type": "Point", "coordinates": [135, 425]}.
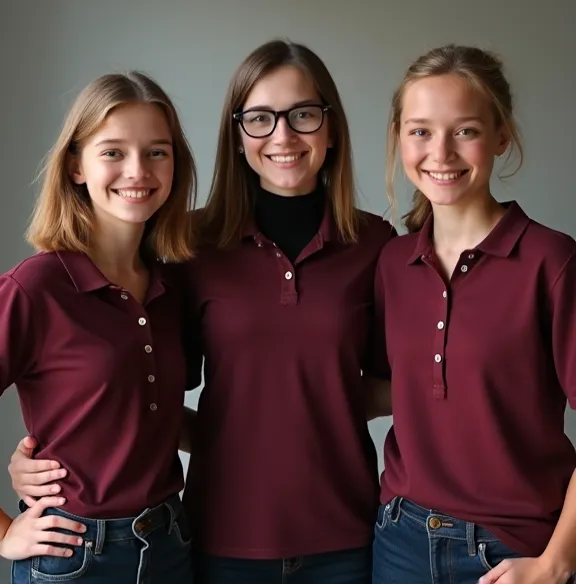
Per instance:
{"type": "Point", "coordinates": [63, 218]}
{"type": "Point", "coordinates": [230, 202]}
{"type": "Point", "coordinates": [483, 70]}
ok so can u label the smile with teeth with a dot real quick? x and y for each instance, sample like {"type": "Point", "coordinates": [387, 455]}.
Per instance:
{"type": "Point", "coordinates": [133, 193]}
{"type": "Point", "coordinates": [446, 176]}
{"type": "Point", "coordinates": [287, 158]}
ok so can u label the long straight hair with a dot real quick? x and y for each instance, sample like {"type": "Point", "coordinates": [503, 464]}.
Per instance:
{"type": "Point", "coordinates": [230, 202]}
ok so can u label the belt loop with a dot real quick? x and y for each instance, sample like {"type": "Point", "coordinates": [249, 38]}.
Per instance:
{"type": "Point", "coordinates": [395, 509]}
{"type": "Point", "coordinates": [470, 539]}
{"type": "Point", "coordinates": [100, 536]}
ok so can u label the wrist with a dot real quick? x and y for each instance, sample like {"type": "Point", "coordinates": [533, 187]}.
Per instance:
{"type": "Point", "coordinates": [5, 523]}
{"type": "Point", "coordinates": [560, 569]}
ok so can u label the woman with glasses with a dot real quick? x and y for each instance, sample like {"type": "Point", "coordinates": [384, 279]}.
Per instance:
{"type": "Point", "coordinates": [283, 478]}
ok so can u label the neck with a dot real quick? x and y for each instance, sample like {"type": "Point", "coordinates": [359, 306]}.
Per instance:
{"type": "Point", "coordinates": [116, 249]}
{"type": "Point", "coordinates": [464, 226]}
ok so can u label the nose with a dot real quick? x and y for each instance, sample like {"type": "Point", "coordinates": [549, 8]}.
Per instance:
{"type": "Point", "coordinates": [442, 148]}
{"type": "Point", "coordinates": [283, 132]}
{"type": "Point", "coordinates": [136, 167]}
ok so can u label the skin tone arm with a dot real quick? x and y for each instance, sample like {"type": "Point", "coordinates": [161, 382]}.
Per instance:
{"type": "Point", "coordinates": [32, 479]}
{"type": "Point", "coordinates": [30, 534]}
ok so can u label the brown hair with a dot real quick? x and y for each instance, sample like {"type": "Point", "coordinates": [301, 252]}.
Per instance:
{"type": "Point", "coordinates": [230, 203]}
{"type": "Point", "coordinates": [483, 70]}
{"type": "Point", "coordinates": [63, 217]}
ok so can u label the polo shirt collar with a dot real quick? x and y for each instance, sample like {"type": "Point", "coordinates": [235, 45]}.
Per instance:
{"type": "Point", "coordinates": [500, 242]}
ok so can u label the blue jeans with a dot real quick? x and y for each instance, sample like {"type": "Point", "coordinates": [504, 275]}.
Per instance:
{"type": "Point", "coordinates": [342, 567]}
{"type": "Point", "coordinates": [413, 545]}
{"type": "Point", "coordinates": [152, 548]}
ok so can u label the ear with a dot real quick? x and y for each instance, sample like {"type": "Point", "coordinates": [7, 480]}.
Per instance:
{"type": "Point", "coordinates": [503, 141]}
{"type": "Point", "coordinates": [75, 169]}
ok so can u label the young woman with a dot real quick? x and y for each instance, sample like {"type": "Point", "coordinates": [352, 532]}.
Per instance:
{"type": "Point", "coordinates": [283, 478]}
{"type": "Point", "coordinates": [90, 334]}
{"type": "Point", "coordinates": [478, 305]}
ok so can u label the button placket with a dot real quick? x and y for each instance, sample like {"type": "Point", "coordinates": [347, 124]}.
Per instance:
{"type": "Point", "coordinates": [143, 324]}
{"type": "Point", "coordinates": [438, 354]}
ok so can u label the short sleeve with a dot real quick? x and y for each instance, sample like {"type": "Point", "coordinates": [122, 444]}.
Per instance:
{"type": "Point", "coordinates": [376, 358]}
{"type": "Point", "coordinates": [564, 328]}
{"type": "Point", "coordinates": [16, 332]}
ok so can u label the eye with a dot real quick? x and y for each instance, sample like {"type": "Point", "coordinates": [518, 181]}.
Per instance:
{"type": "Point", "coordinates": [468, 132]}
{"type": "Point", "coordinates": [258, 118]}
{"type": "Point", "coordinates": [112, 154]}
{"type": "Point", "coordinates": [158, 154]}
{"type": "Point", "coordinates": [419, 133]}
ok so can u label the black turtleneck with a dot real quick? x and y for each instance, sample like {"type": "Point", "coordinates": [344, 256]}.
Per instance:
{"type": "Point", "coordinates": [290, 222]}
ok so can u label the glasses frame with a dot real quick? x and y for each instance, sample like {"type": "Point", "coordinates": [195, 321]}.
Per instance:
{"type": "Point", "coordinates": [239, 117]}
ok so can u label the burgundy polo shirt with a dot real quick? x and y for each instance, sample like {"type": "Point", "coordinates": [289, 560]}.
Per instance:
{"type": "Point", "coordinates": [100, 379]}
{"type": "Point", "coordinates": [285, 465]}
{"type": "Point", "coordinates": [482, 367]}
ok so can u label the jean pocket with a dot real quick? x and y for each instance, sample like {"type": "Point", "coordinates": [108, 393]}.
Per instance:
{"type": "Point", "coordinates": [383, 516]}
{"type": "Point", "coordinates": [56, 569]}
{"type": "Point", "coordinates": [491, 553]}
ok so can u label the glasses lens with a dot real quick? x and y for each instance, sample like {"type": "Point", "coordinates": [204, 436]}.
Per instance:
{"type": "Point", "coordinates": [258, 123]}
{"type": "Point", "coordinates": [306, 118]}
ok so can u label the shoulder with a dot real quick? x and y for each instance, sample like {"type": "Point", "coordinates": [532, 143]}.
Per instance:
{"type": "Point", "coordinates": [374, 228]}
{"type": "Point", "coordinates": [547, 244]}
{"type": "Point", "coordinates": [36, 272]}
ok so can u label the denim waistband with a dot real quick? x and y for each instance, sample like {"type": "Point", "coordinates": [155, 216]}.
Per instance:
{"type": "Point", "coordinates": [436, 523]}
{"type": "Point", "coordinates": [113, 530]}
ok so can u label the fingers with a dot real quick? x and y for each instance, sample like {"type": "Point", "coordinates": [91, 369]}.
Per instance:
{"type": "Point", "coordinates": [21, 465]}
{"type": "Point", "coordinates": [57, 522]}
{"type": "Point", "coordinates": [28, 501]}
{"type": "Point", "coordinates": [60, 538]}
{"type": "Point", "coordinates": [27, 445]}
{"type": "Point", "coordinates": [42, 549]}
{"type": "Point", "coordinates": [40, 478]}
{"type": "Point", "coordinates": [36, 510]}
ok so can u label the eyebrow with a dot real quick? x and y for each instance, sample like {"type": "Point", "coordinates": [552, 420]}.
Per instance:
{"type": "Point", "coordinates": [297, 104]}
{"type": "Point", "coordinates": [458, 120]}
{"type": "Point", "coordinates": [157, 142]}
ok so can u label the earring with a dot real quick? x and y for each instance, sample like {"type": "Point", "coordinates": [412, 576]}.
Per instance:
{"type": "Point", "coordinates": [241, 149]}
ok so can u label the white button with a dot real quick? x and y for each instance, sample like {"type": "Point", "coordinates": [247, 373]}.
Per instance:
{"type": "Point", "coordinates": [148, 348]}
{"type": "Point", "coordinates": [123, 296]}
{"type": "Point", "coordinates": [464, 269]}
{"type": "Point", "coordinates": [151, 378]}
{"type": "Point", "coordinates": [153, 407]}
{"type": "Point", "coordinates": [440, 325]}
{"type": "Point", "coordinates": [437, 358]}
{"type": "Point", "coordinates": [444, 294]}
{"type": "Point", "coordinates": [278, 255]}
{"type": "Point", "coordinates": [471, 256]}
{"type": "Point", "coordinates": [288, 275]}
{"type": "Point", "coordinates": [141, 321]}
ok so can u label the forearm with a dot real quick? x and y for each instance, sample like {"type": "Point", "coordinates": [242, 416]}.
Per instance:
{"type": "Point", "coordinates": [187, 430]}
{"type": "Point", "coordinates": [378, 397]}
{"type": "Point", "coordinates": [560, 554]}
{"type": "Point", "coordinates": [5, 522]}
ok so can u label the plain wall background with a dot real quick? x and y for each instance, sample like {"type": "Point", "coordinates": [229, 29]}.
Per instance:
{"type": "Point", "coordinates": [52, 49]}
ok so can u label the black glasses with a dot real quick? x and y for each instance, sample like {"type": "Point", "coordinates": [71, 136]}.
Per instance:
{"type": "Point", "coordinates": [261, 123]}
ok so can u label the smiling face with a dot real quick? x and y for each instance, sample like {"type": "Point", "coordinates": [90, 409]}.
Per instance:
{"type": "Point", "coordinates": [448, 139]}
{"type": "Point", "coordinates": [127, 165]}
{"type": "Point", "coordinates": [287, 162]}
